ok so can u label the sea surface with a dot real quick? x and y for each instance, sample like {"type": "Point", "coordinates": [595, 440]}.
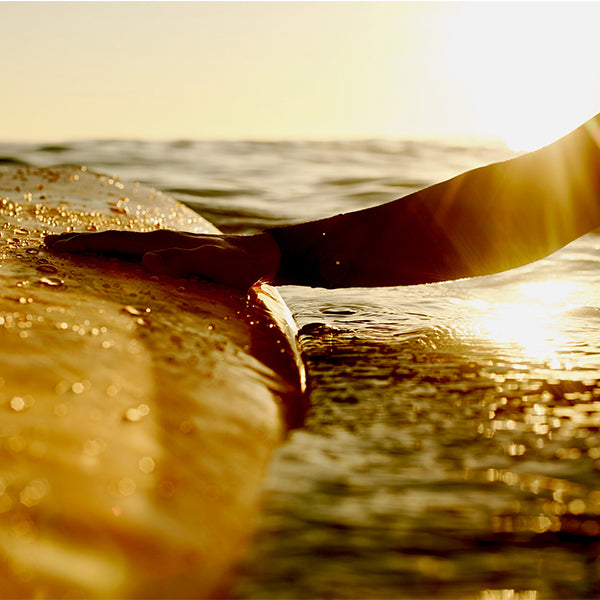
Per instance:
{"type": "Point", "coordinates": [452, 448]}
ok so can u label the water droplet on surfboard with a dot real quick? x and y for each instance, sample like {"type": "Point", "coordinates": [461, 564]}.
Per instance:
{"type": "Point", "coordinates": [146, 464]}
{"type": "Point", "coordinates": [45, 268]}
{"type": "Point", "coordinates": [135, 414]}
{"type": "Point", "coordinates": [17, 404]}
{"type": "Point", "coordinates": [51, 281]}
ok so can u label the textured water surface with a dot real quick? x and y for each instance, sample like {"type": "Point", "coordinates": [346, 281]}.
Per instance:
{"type": "Point", "coordinates": [452, 448]}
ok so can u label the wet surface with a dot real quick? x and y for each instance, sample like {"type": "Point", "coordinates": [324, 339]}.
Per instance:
{"type": "Point", "coordinates": [453, 445]}
{"type": "Point", "coordinates": [136, 417]}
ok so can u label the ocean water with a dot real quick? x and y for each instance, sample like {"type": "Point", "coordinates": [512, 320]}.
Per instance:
{"type": "Point", "coordinates": [452, 448]}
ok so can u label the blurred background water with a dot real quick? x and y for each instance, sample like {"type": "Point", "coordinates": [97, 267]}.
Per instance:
{"type": "Point", "coordinates": [452, 449]}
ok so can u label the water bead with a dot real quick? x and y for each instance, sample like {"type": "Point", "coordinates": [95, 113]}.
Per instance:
{"type": "Point", "coordinates": [126, 486]}
{"type": "Point", "coordinates": [46, 268]}
{"type": "Point", "coordinates": [94, 447]}
{"type": "Point", "coordinates": [61, 410]}
{"type": "Point", "coordinates": [34, 492]}
{"type": "Point", "coordinates": [576, 506]}
{"type": "Point", "coordinates": [112, 390]}
{"type": "Point", "coordinates": [146, 464]}
{"type": "Point", "coordinates": [16, 444]}
{"type": "Point", "coordinates": [120, 209]}
{"type": "Point", "coordinates": [17, 404]}
{"type": "Point", "coordinates": [136, 414]}
{"type": "Point", "coordinates": [78, 387]}
{"type": "Point", "coordinates": [51, 281]}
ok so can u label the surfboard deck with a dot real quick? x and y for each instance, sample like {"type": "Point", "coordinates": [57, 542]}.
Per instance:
{"type": "Point", "coordinates": [137, 413]}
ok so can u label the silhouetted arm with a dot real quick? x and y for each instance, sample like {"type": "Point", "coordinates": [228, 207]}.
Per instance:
{"type": "Point", "coordinates": [484, 221]}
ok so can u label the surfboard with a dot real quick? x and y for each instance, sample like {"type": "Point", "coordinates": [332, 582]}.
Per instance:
{"type": "Point", "coordinates": [137, 412]}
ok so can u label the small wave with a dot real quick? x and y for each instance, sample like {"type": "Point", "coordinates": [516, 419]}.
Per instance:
{"type": "Point", "coordinates": [211, 192]}
{"type": "Point", "coordinates": [182, 144]}
{"type": "Point", "coordinates": [9, 160]}
{"type": "Point", "coordinates": [370, 197]}
{"type": "Point", "coordinates": [54, 149]}
{"type": "Point", "coordinates": [349, 181]}
{"type": "Point", "coordinates": [583, 312]}
{"type": "Point", "coordinates": [416, 185]}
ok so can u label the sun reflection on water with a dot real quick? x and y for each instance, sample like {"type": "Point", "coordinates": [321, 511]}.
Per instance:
{"type": "Point", "coordinates": [530, 320]}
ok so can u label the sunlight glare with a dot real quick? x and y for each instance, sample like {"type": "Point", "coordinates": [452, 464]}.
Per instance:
{"type": "Point", "coordinates": [525, 68]}
{"type": "Point", "coordinates": [530, 321]}
{"type": "Point", "coordinates": [526, 325]}
{"type": "Point", "coordinates": [556, 292]}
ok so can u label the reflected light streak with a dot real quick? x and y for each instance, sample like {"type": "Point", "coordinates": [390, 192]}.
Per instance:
{"type": "Point", "coordinates": [531, 322]}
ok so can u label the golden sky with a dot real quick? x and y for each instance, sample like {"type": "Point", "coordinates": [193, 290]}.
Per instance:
{"type": "Point", "coordinates": [525, 72]}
